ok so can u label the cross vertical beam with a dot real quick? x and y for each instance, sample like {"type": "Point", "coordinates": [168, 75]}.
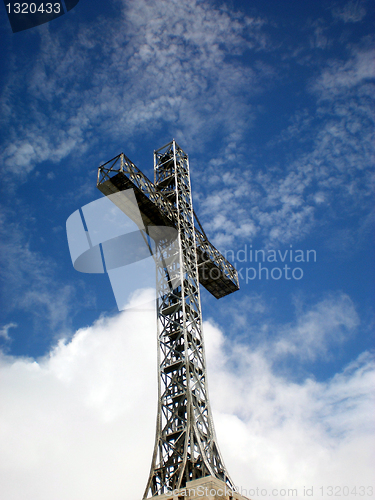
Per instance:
{"type": "Point", "coordinates": [185, 444]}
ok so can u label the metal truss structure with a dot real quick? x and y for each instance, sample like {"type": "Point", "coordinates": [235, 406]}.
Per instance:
{"type": "Point", "coordinates": [185, 444]}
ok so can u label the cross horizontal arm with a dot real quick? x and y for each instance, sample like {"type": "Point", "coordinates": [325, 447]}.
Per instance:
{"type": "Point", "coordinates": [216, 274]}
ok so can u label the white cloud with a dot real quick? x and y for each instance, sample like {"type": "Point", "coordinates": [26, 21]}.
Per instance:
{"type": "Point", "coordinates": [275, 433]}
{"type": "Point", "coordinates": [330, 322]}
{"type": "Point", "coordinates": [80, 423]}
{"type": "Point", "coordinates": [351, 12]}
{"type": "Point", "coordinates": [159, 64]}
{"type": "Point", "coordinates": [4, 331]}
{"type": "Point", "coordinates": [329, 166]}
{"type": "Point", "coordinates": [340, 76]}
{"type": "Point", "coordinates": [29, 277]}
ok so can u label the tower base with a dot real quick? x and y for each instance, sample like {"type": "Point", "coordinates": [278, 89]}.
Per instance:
{"type": "Point", "coordinates": [205, 488]}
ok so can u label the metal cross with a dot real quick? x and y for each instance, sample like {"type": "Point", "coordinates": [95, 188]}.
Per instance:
{"type": "Point", "coordinates": [185, 444]}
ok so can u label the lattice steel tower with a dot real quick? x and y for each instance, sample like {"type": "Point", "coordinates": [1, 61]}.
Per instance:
{"type": "Point", "coordinates": [185, 444]}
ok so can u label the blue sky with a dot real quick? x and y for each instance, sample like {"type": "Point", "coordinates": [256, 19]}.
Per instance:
{"type": "Point", "coordinates": [273, 102]}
